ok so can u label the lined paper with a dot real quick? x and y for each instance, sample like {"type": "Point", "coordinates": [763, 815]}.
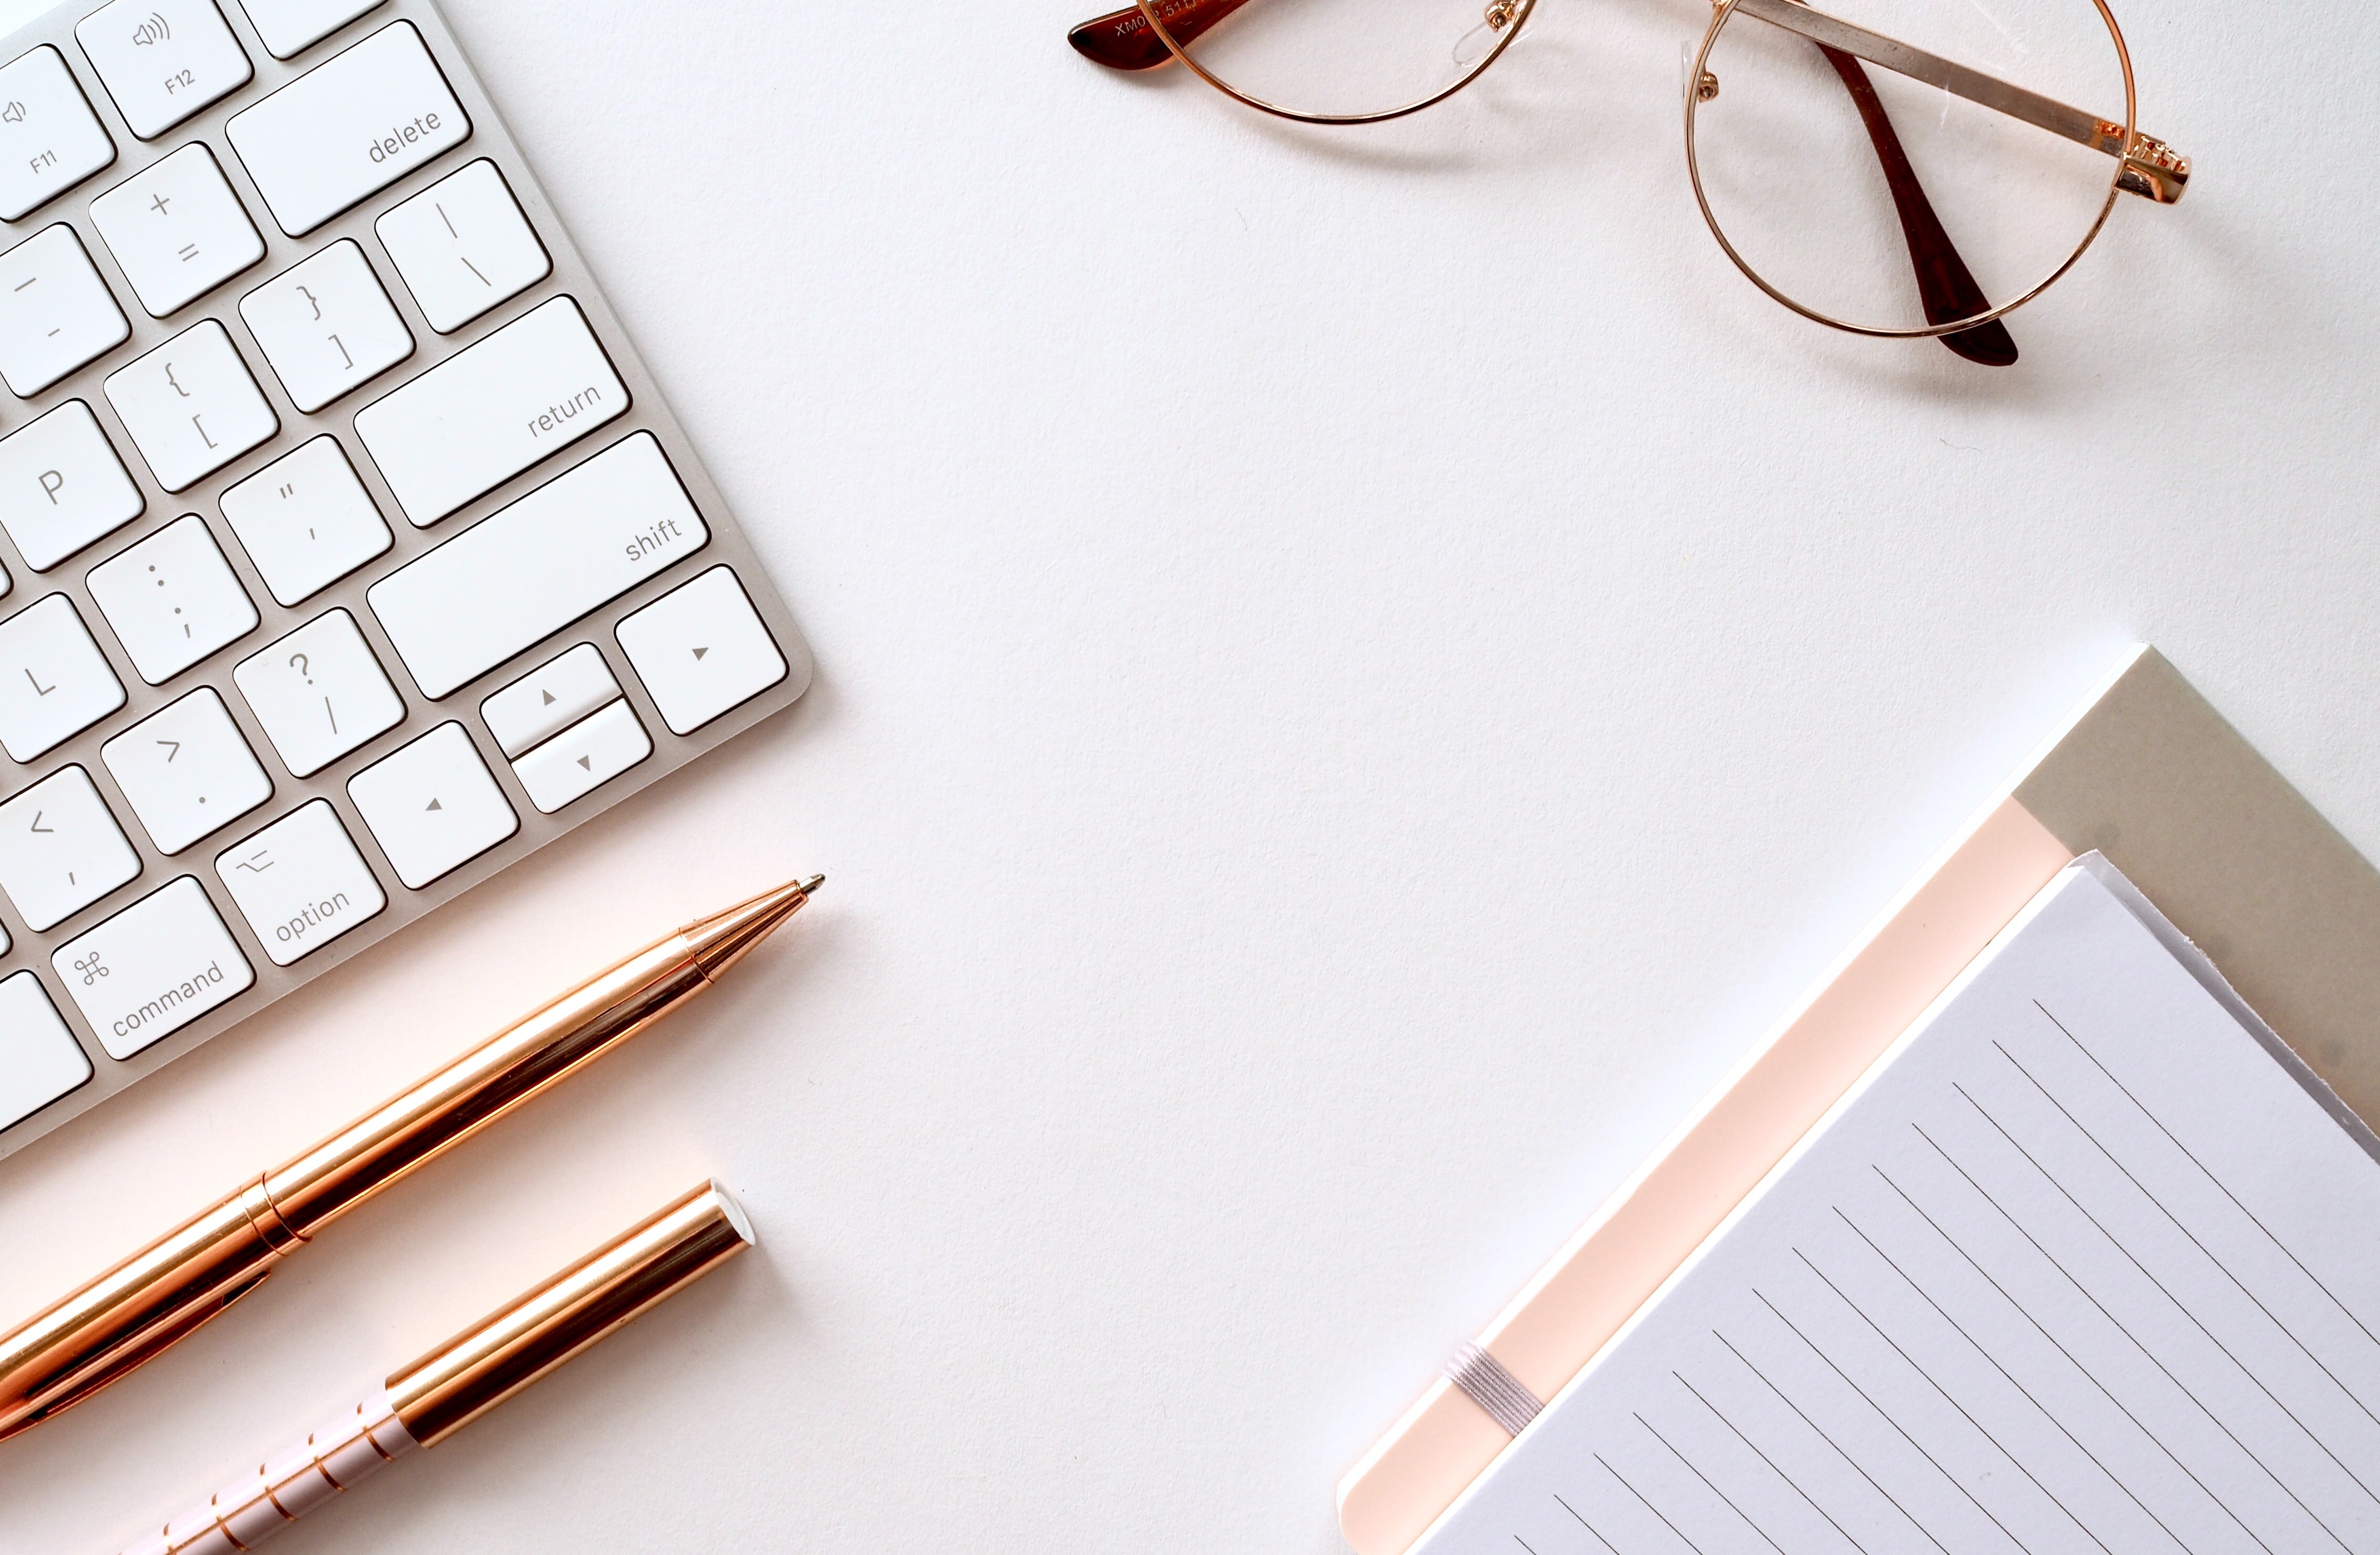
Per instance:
{"type": "Point", "coordinates": [2082, 1265]}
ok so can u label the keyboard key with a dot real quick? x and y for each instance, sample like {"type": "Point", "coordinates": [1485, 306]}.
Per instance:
{"type": "Point", "coordinates": [484, 415]}
{"type": "Point", "coordinates": [326, 326]}
{"type": "Point", "coordinates": [40, 1060]}
{"type": "Point", "coordinates": [701, 650]}
{"type": "Point", "coordinates": [348, 129]}
{"type": "Point", "coordinates": [463, 247]}
{"type": "Point", "coordinates": [62, 486]}
{"type": "Point", "coordinates": [300, 883]}
{"type": "Point", "coordinates": [60, 850]}
{"type": "Point", "coordinates": [583, 538]}
{"type": "Point", "coordinates": [53, 141]}
{"type": "Point", "coordinates": [432, 806]}
{"type": "Point", "coordinates": [163, 60]}
{"type": "Point", "coordinates": [153, 968]}
{"type": "Point", "coordinates": [550, 699]}
{"type": "Point", "coordinates": [306, 520]}
{"type": "Point", "coordinates": [289, 27]}
{"type": "Point", "coordinates": [56, 313]}
{"type": "Point", "coordinates": [320, 693]}
{"type": "Point", "coordinates": [192, 406]}
{"type": "Point", "coordinates": [176, 230]}
{"type": "Point", "coordinates": [54, 683]}
{"type": "Point", "coordinates": [582, 759]}
{"type": "Point", "coordinates": [173, 599]}
{"type": "Point", "coordinates": [185, 771]}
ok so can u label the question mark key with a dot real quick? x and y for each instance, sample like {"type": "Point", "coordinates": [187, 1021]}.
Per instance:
{"type": "Point", "coordinates": [320, 692]}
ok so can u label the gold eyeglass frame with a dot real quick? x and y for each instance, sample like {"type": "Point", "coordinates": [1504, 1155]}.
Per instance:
{"type": "Point", "coordinates": [2144, 165]}
{"type": "Point", "coordinates": [1723, 11]}
{"type": "Point", "coordinates": [1516, 15]}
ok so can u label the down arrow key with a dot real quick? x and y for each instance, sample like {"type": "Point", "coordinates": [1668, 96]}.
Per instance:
{"type": "Point", "coordinates": [584, 758]}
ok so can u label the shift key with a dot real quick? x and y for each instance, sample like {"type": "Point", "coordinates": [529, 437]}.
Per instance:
{"type": "Point", "coordinates": [482, 415]}
{"type": "Point", "coordinates": [528, 570]}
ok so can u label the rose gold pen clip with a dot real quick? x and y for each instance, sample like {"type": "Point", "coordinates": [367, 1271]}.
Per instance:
{"type": "Point", "coordinates": [165, 1292]}
{"type": "Point", "coordinates": [422, 1404]}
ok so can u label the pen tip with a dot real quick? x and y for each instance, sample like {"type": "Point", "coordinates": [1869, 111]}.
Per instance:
{"type": "Point", "coordinates": [723, 938]}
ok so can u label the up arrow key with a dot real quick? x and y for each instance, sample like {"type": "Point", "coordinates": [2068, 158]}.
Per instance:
{"type": "Point", "coordinates": [433, 804]}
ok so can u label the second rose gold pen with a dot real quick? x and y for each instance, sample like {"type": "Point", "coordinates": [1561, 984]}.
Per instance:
{"type": "Point", "coordinates": [165, 1292]}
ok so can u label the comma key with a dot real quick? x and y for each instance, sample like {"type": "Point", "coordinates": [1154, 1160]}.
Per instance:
{"type": "Point", "coordinates": [153, 968]}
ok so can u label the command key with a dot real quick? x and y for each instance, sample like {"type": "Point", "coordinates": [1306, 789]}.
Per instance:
{"type": "Point", "coordinates": [152, 968]}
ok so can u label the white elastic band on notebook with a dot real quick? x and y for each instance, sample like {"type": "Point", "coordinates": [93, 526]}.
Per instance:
{"type": "Point", "coordinates": [1485, 1381]}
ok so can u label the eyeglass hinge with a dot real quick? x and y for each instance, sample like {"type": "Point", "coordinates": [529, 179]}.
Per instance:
{"type": "Point", "coordinates": [2151, 169]}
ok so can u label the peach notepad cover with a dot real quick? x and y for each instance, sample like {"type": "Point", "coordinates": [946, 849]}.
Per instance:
{"type": "Point", "coordinates": [2146, 773]}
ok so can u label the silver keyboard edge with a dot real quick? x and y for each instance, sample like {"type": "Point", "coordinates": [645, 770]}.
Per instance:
{"type": "Point", "coordinates": [491, 139]}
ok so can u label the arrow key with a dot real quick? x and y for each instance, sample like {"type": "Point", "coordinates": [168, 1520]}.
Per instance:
{"type": "Point", "coordinates": [701, 649]}
{"type": "Point", "coordinates": [550, 699]}
{"type": "Point", "coordinates": [584, 758]}
{"type": "Point", "coordinates": [433, 806]}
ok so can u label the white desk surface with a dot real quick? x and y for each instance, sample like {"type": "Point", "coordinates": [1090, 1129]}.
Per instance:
{"type": "Point", "coordinates": [1355, 676]}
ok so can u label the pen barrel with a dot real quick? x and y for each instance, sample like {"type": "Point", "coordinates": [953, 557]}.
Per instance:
{"type": "Point", "coordinates": [626, 1277]}
{"type": "Point", "coordinates": [286, 1486]}
{"type": "Point", "coordinates": [142, 1307]}
{"type": "Point", "coordinates": [423, 1403]}
{"type": "Point", "coordinates": [482, 1086]}
{"type": "Point", "coordinates": [169, 1289]}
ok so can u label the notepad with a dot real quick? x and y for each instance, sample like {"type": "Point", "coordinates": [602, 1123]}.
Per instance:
{"type": "Point", "coordinates": [2088, 1261]}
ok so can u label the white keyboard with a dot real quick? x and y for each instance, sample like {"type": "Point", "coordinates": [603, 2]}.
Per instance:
{"type": "Point", "coordinates": [346, 552]}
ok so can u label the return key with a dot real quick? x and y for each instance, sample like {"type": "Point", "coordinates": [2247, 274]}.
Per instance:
{"type": "Point", "coordinates": [481, 417]}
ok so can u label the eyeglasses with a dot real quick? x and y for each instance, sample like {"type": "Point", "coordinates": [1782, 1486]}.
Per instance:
{"type": "Point", "coordinates": [1833, 230]}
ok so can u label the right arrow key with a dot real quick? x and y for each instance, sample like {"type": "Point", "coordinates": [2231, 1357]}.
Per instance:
{"type": "Point", "coordinates": [701, 649]}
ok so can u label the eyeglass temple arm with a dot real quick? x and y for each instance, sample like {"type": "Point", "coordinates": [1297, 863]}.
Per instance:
{"type": "Point", "coordinates": [2151, 169]}
{"type": "Point", "coordinates": [1945, 284]}
{"type": "Point", "coordinates": [1124, 39]}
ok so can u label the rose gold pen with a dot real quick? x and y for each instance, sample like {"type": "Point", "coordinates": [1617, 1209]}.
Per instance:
{"type": "Point", "coordinates": [422, 1404]}
{"type": "Point", "coordinates": [165, 1292]}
